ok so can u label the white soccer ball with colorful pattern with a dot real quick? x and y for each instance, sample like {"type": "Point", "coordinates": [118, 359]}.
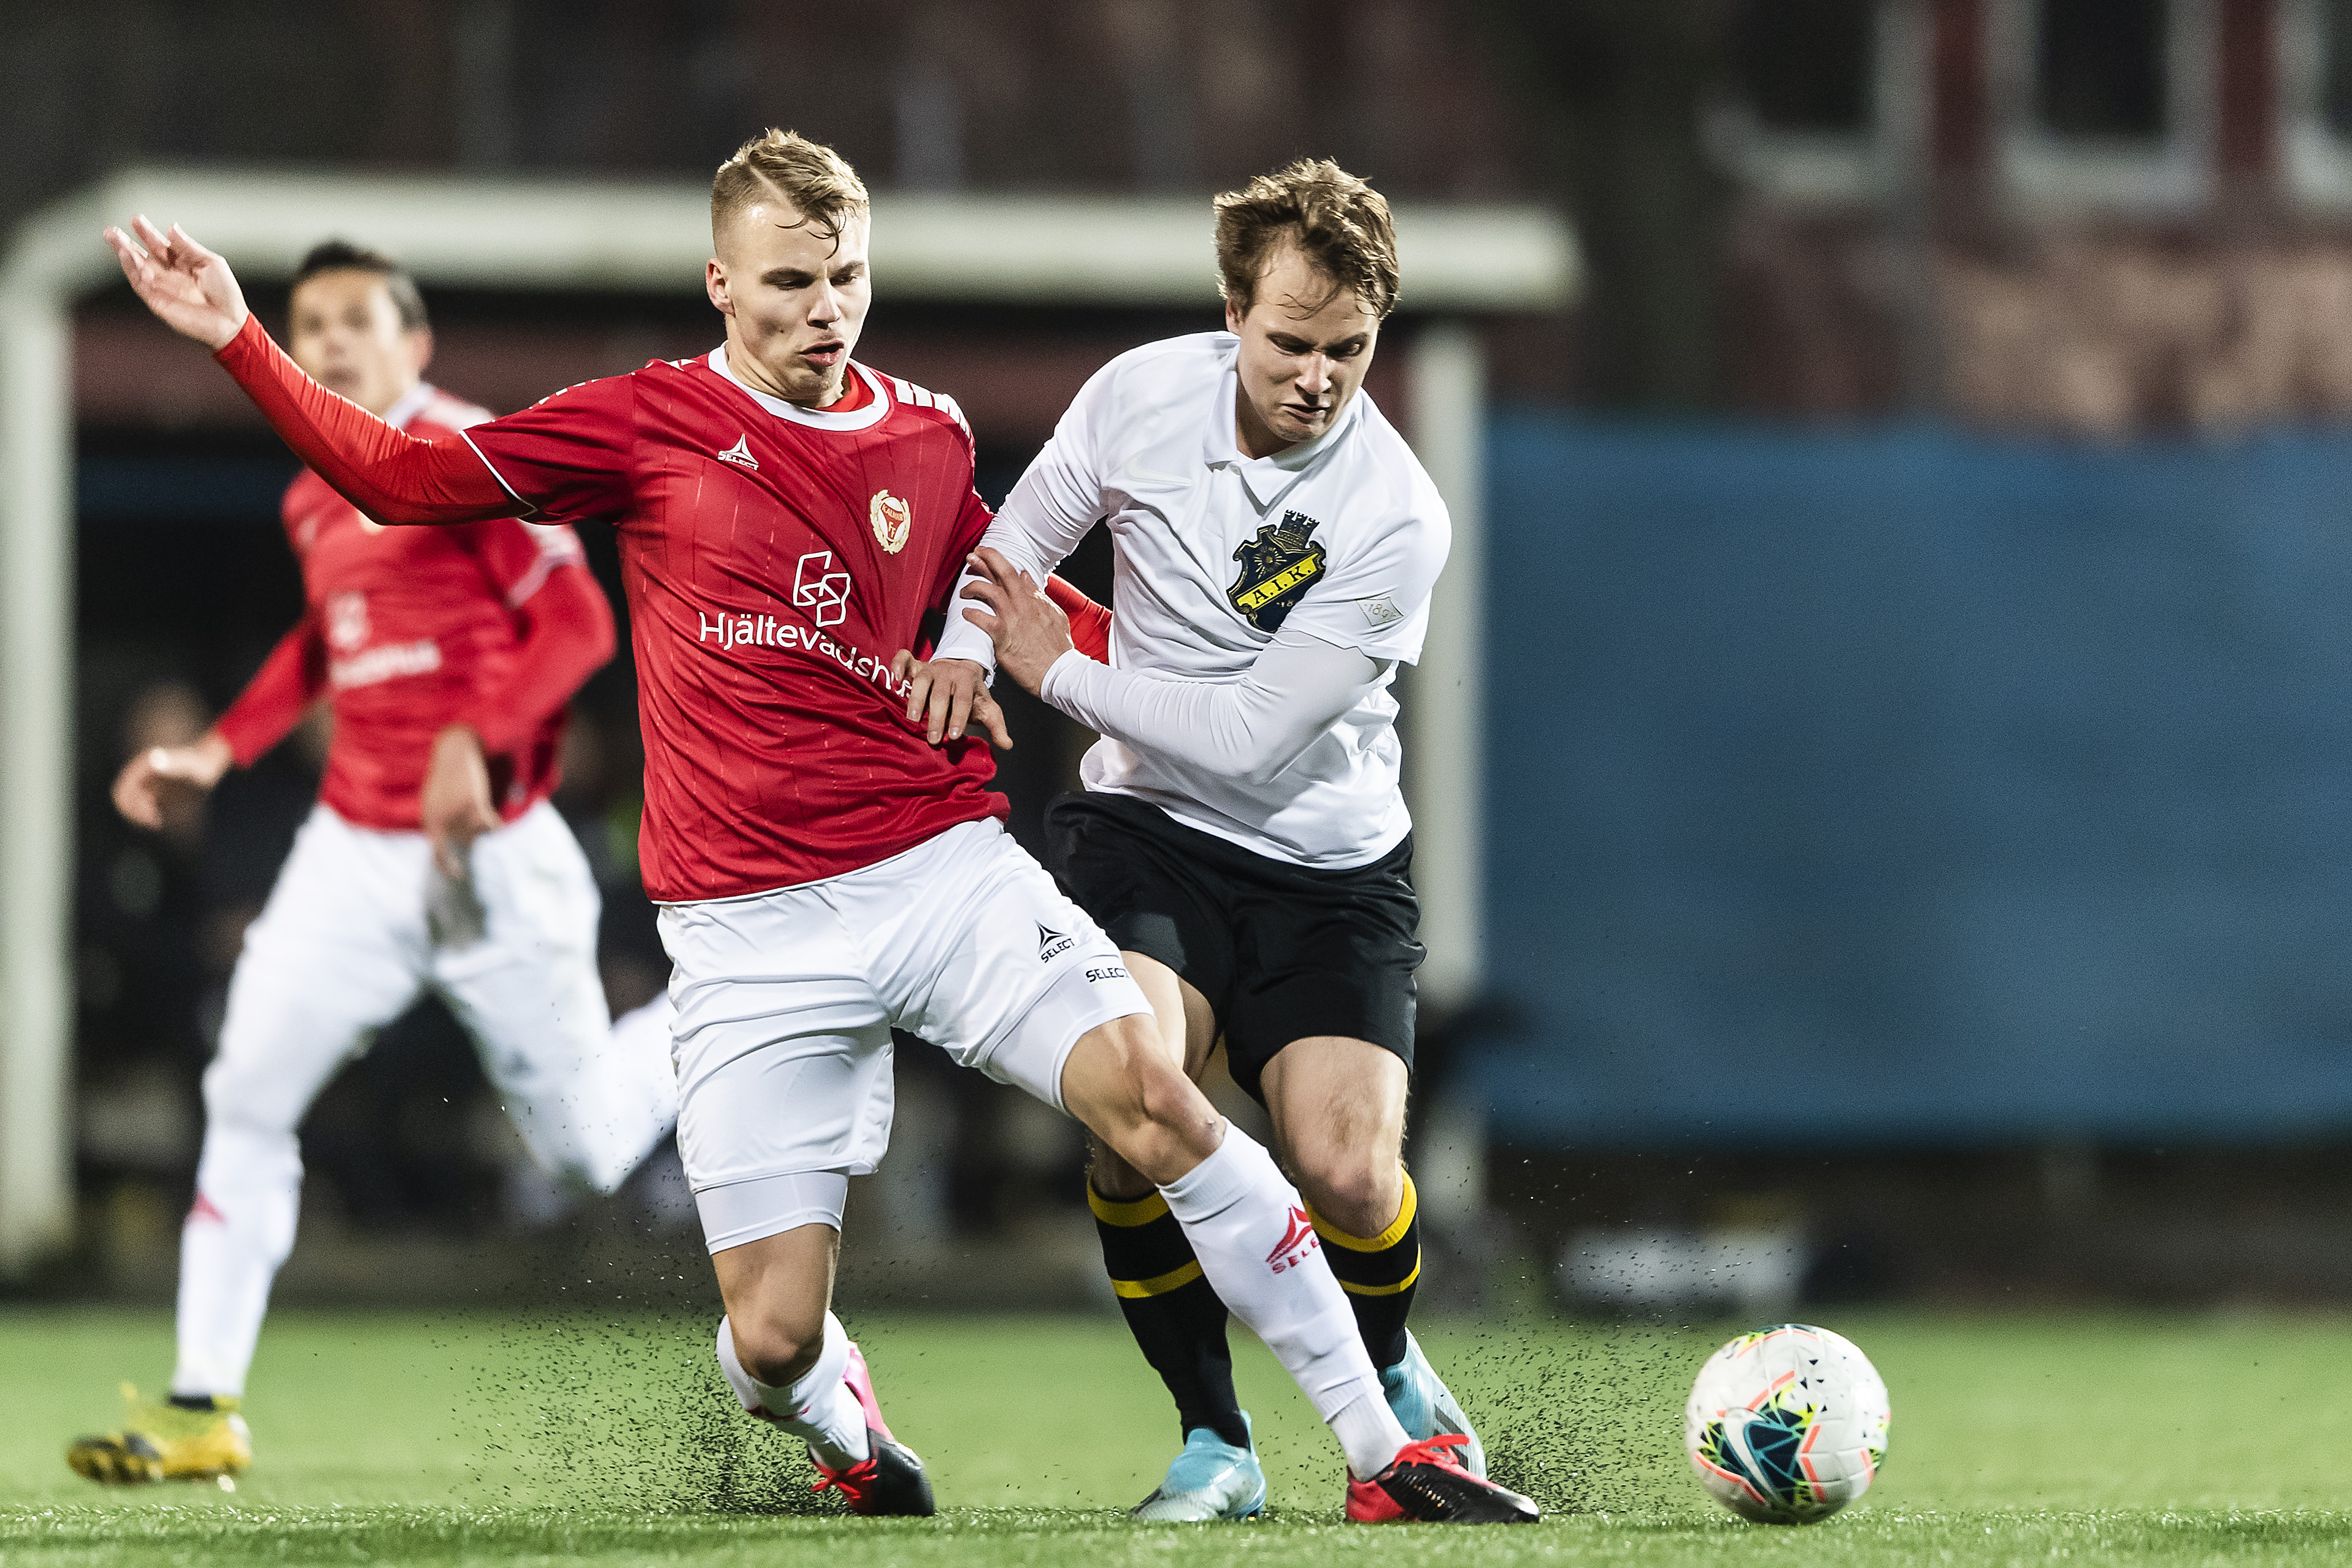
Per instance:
{"type": "Point", "coordinates": [1786, 1425]}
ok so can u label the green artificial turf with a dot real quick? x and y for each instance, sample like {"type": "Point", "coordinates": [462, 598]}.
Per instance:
{"type": "Point", "coordinates": [410, 1439]}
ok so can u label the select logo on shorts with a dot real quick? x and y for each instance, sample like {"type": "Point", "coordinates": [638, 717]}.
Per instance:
{"type": "Point", "coordinates": [892, 520]}
{"type": "Point", "coordinates": [1297, 1240]}
{"type": "Point", "coordinates": [1051, 944]}
{"type": "Point", "coordinates": [740, 454]}
{"type": "Point", "coordinates": [1277, 568]}
{"type": "Point", "coordinates": [1107, 974]}
{"type": "Point", "coordinates": [816, 587]}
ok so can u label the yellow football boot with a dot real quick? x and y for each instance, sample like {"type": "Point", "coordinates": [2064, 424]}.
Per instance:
{"type": "Point", "coordinates": [167, 1443]}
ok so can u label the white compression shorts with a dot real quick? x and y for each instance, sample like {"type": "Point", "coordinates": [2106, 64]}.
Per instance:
{"type": "Point", "coordinates": [786, 1001]}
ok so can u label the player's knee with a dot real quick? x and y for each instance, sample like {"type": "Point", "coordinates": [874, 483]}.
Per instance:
{"type": "Point", "coordinates": [1142, 1107]}
{"type": "Point", "coordinates": [776, 1348]}
{"type": "Point", "coordinates": [1358, 1191]}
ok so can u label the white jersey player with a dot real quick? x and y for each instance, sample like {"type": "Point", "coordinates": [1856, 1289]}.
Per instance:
{"type": "Point", "coordinates": [1242, 835]}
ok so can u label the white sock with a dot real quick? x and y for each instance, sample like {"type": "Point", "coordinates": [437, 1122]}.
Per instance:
{"type": "Point", "coordinates": [240, 1228]}
{"type": "Point", "coordinates": [1251, 1234]}
{"type": "Point", "coordinates": [1368, 1432]}
{"type": "Point", "coordinates": [819, 1408]}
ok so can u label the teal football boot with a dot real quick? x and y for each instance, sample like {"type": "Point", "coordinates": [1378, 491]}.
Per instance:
{"type": "Point", "coordinates": [1426, 1409]}
{"type": "Point", "coordinates": [1210, 1479]}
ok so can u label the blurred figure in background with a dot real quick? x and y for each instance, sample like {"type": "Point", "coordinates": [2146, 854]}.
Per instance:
{"type": "Point", "coordinates": [432, 860]}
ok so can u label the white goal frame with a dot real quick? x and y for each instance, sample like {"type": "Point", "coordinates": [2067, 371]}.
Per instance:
{"type": "Point", "coordinates": [554, 234]}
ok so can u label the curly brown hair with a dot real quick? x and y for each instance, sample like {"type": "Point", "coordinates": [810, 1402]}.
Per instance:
{"type": "Point", "coordinates": [819, 183]}
{"type": "Point", "coordinates": [1341, 223]}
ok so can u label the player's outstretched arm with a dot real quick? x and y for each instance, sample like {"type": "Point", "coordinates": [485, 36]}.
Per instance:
{"type": "Point", "coordinates": [271, 704]}
{"type": "Point", "coordinates": [948, 695]}
{"type": "Point", "coordinates": [140, 788]}
{"type": "Point", "coordinates": [1249, 728]}
{"type": "Point", "coordinates": [389, 475]}
{"type": "Point", "coordinates": [190, 288]}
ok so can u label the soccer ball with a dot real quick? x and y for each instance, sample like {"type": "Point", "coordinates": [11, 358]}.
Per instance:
{"type": "Point", "coordinates": [1786, 1425]}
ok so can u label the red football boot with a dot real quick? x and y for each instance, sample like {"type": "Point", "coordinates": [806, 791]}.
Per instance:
{"type": "Point", "coordinates": [1425, 1482]}
{"type": "Point", "coordinates": [890, 1481]}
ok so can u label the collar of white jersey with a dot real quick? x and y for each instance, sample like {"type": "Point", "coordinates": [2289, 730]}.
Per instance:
{"type": "Point", "coordinates": [863, 418]}
{"type": "Point", "coordinates": [1267, 478]}
{"type": "Point", "coordinates": [412, 404]}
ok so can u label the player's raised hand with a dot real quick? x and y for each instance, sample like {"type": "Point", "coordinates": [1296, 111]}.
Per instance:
{"type": "Point", "coordinates": [456, 801]}
{"type": "Point", "coordinates": [950, 697]}
{"type": "Point", "coordinates": [1029, 629]}
{"type": "Point", "coordinates": [192, 290]}
{"type": "Point", "coordinates": [148, 777]}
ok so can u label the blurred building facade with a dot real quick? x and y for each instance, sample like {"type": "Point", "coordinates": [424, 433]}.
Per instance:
{"type": "Point", "coordinates": [2088, 216]}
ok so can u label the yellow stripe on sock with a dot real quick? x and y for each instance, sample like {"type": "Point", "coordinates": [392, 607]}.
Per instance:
{"type": "Point", "coordinates": [1142, 1211]}
{"type": "Point", "coordinates": [1161, 1284]}
{"type": "Point", "coordinates": [1380, 1243]}
{"type": "Point", "coordinates": [1352, 1288]}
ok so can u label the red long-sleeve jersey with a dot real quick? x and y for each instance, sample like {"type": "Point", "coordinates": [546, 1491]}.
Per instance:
{"type": "Point", "coordinates": [493, 624]}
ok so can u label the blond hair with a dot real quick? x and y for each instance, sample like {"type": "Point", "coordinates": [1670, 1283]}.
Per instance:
{"type": "Point", "coordinates": [817, 181]}
{"type": "Point", "coordinates": [1341, 222]}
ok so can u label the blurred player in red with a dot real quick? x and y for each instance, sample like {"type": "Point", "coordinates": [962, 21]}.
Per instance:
{"type": "Point", "coordinates": [790, 522]}
{"type": "Point", "coordinates": [432, 862]}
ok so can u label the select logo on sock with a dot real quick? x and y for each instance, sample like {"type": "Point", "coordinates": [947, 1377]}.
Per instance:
{"type": "Point", "coordinates": [1298, 1240]}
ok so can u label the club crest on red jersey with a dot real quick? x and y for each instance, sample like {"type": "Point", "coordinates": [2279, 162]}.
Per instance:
{"type": "Point", "coordinates": [740, 454]}
{"type": "Point", "coordinates": [893, 521]}
{"type": "Point", "coordinates": [347, 622]}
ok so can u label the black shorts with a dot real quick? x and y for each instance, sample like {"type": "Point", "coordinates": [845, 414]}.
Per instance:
{"type": "Point", "coordinates": [1281, 952]}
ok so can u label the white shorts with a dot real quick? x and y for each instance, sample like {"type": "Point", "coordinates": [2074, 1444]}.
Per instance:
{"type": "Point", "coordinates": [786, 1001]}
{"type": "Point", "coordinates": [360, 923]}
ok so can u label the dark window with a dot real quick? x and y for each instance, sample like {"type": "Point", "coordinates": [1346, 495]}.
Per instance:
{"type": "Point", "coordinates": [1805, 65]}
{"type": "Point", "coordinates": [2335, 56]}
{"type": "Point", "coordinates": [2100, 67]}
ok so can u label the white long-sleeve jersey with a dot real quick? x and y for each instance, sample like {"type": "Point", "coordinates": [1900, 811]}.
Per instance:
{"type": "Point", "coordinates": [1325, 555]}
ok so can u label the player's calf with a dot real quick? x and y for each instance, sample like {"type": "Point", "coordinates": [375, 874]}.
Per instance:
{"type": "Point", "coordinates": [1245, 1222]}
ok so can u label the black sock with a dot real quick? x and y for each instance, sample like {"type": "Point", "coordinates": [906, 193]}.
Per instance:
{"type": "Point", "coordinates": [1171, 1311]}
{"type": "Point", "coordinates": [1379, 1273]}
{"type": "Point", "coordinates": [192, 1402]}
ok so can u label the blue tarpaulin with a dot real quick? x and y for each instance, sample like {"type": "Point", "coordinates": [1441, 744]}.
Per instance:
{"type": "Point", "coordinates": [1903, 785]}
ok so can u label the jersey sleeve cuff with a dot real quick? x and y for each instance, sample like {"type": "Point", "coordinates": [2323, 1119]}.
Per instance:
{"type": "Point", "coordinates": [1071, 670]}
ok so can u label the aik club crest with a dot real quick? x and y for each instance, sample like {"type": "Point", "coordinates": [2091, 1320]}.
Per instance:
{"type": "Point", "coordinates": [1277, 568]}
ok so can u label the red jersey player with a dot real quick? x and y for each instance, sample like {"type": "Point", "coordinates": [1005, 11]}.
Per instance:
{"type": "Point", "coordinates": [432, 860]}
{"type": "Point", "coordinates": [788, 519]}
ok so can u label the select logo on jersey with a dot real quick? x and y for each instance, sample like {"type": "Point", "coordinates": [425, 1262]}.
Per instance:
{"type": "Point", "coordinates": [347, 622]}
{"type": "Point", "coordinates": [892, 520]}
{"type": "Point", "coordinates": [1297, 1240]}
{"type": "Point", "coordinates": [817, 588]}
{"type": "Point", "coordinates": [740, 454]}
{"type": "Point", "coordinates": [1277, 568]}
{"type": "Point", "coordinates": [1051, 944]}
